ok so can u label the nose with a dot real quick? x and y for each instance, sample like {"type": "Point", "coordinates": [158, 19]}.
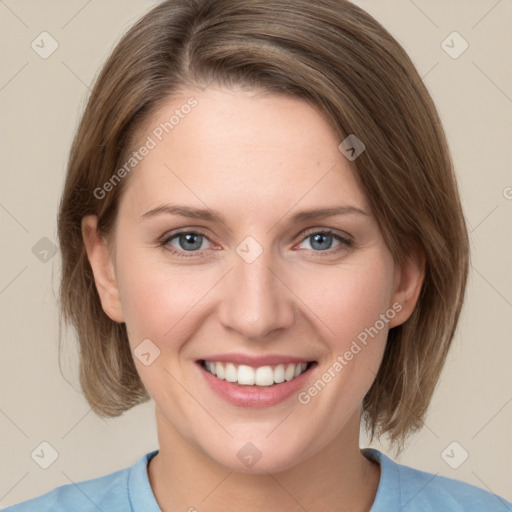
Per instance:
{"type": "Point", "coordinates": [256, 300]}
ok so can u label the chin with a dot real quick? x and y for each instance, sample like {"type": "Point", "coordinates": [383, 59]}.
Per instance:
{"type": "Point", "coordinates": [259, 456]}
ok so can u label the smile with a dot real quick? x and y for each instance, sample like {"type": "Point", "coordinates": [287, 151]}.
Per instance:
{"type": "Point", "coordinates": [249, 376]}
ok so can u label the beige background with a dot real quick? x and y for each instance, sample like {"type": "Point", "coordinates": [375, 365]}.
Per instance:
{"type": "Point", "coordinates": [40, 101]}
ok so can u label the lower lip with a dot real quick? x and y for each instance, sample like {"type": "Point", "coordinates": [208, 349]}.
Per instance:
{"type": "Point", "coordinates": [255, 397]}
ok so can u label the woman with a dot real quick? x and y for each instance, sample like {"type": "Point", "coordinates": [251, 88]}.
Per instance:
{"type": "Point", "coordinates": [261, 230]}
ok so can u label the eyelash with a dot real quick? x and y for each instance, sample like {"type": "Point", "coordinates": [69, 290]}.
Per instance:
{"type": "Point", "coordinates": [344, 242]}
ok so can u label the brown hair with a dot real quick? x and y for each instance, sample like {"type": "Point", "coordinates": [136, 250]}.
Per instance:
{"type": "Point", "coordinates": [336, 56]}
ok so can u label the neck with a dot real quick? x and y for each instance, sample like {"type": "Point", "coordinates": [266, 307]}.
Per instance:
{"type": "Point", "coordinates": [338, 477]}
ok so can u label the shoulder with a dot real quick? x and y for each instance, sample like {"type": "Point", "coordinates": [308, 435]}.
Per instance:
{"type": "Point", "coordinates": [414, 490]}
{"type": "Point", "coordinates": [421, 489]}
{"type": "Point", "coordinates": [108, 492]}
{"type": "Point", "coordinates": [85, 496]}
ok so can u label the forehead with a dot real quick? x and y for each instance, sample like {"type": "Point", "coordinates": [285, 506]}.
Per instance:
{"type": "Point", "coordinates": [242, 146]}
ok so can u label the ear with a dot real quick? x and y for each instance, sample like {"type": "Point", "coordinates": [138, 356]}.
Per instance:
{"type": "Point", "coordinates": [409, 279]}
{"type": "Point", "coordinates": [103, 268]}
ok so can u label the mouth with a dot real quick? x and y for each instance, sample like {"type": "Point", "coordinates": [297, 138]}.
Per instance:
{"type": "Point", "coordinates": [255, 380]}
{"type": "Point", "coordinates": [260, 376]}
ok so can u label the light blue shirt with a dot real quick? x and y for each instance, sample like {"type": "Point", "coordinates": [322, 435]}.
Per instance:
{"type": "Point", "coordinates": [401, 489]}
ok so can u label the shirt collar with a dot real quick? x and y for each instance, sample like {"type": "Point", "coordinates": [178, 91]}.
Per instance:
{"type": "Point", "coordinates": [388, 491]}
{"type": "Point", "coordinates": [387, 497]}
{"type": "Point", "coordinates": [140, 493]}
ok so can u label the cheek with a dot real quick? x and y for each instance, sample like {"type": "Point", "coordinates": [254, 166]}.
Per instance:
{"type": "Point", "coordinates": [157, 299]}
{"type": "Point", "coordinates": [351, 310]}
{"type": "Point", "coordinates": [160, 304]}
{"type": "Point", "coordinates": [347, 300]}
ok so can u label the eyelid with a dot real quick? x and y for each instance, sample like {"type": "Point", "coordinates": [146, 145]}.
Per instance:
{"type": "Point", "coordinates": [168, 236]}
{"type": "Point", "coordinates": [304, 234]}
{"type": "Point", "coordinates": [345, 239]}
{"type": "Point", "coordinates": [346, 242]}
{"type": "Point", "coordinates": [337, 232]}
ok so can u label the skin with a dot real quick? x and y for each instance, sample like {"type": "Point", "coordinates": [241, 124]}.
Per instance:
{"type": "Point", "coordinates": [238, 152]}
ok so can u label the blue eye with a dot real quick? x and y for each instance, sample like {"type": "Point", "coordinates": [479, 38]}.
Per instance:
{"type": "Point", "coordinates": [190, 243]}
{"type": "Point", "coordinates": [318, 241]}
{"type": "Point", "coordinates": [322, 241]}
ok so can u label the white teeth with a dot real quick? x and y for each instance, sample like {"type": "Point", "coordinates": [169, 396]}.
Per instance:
{"type": "Point", "coordinates": [245, 375]}
{"type": "Point", "coordinates": [279, 374]}
{"type": "Point", "coordinates": [219, 370]}
{"type": "Point", "coordinates": [231, 372]}
{"type": "Point", "coordinates": [264, 376]}
{"type": "Point", "coordinates": [261, 376]}
{"type": "Point", "coordinates": [299, 369]}
{"type": "Point", "coordinates": [289, 372]}
{"type": "Point", "coordinates": [210, 367]}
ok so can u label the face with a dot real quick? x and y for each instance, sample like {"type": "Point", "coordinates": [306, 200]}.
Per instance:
{"type": "Point", "coordinates": [217, 269]}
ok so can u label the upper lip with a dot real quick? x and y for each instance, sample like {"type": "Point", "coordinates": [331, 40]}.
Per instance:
{"type": "Point", "coordinates": [255, 361]}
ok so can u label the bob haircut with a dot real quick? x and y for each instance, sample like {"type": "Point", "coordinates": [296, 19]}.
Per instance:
{"type": "Point", "coordinates": [338, 58]}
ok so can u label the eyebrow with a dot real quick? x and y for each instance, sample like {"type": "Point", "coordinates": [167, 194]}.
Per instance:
{"type": "Point", "coordinates": [212, 215]}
